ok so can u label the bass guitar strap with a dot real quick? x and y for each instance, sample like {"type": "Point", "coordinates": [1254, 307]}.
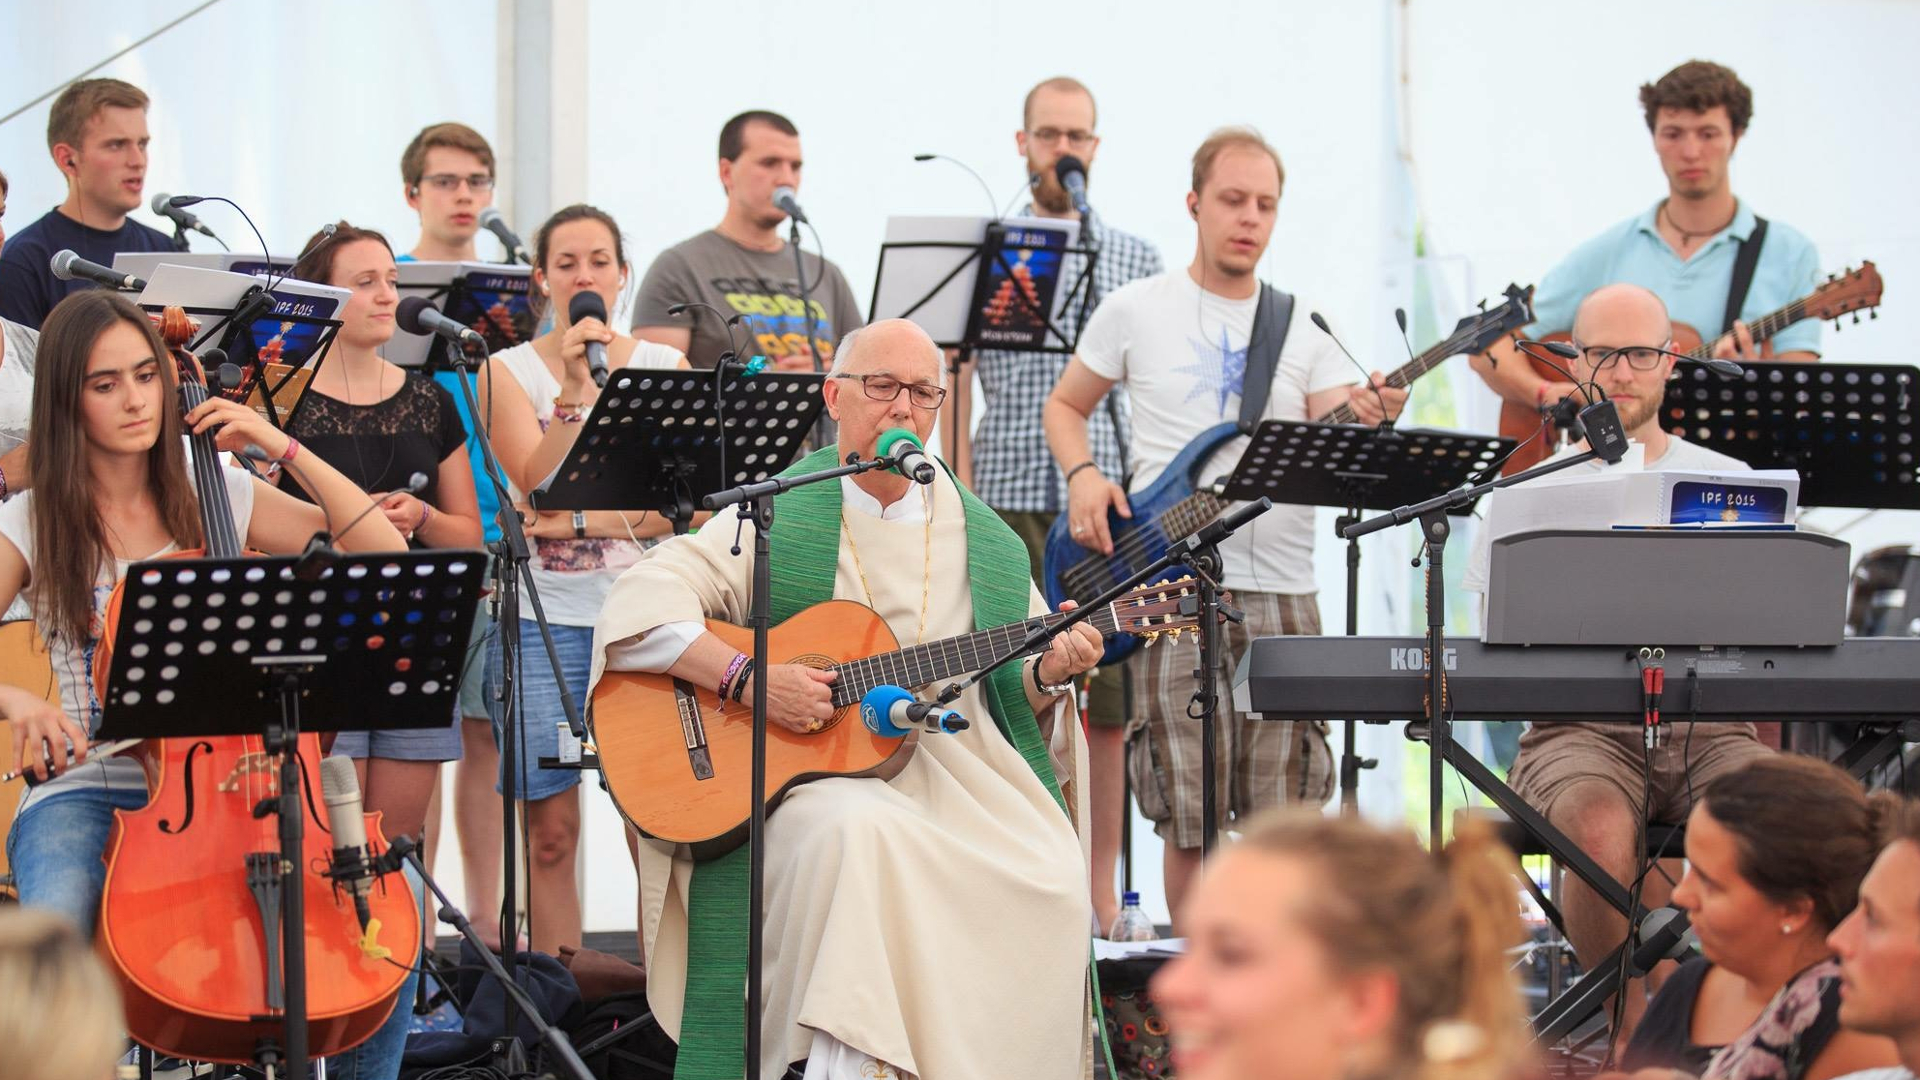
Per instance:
{"type": "Point", "coordinates": [1743, 267]}
{"type": "Point", "coordinates": [1271, 319]}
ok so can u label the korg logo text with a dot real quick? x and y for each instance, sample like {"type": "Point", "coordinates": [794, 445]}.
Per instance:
{"type": "Point", "coordinates": [1415, 660]}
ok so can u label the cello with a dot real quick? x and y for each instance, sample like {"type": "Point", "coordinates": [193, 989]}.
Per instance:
{"type": "Point", "coordinates": [190, 916]}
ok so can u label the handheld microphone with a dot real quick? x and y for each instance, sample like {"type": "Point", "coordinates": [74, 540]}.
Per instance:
{"type": "Point", "coordinates": [1366, 378]}
{"type": "Point", "coordinates": [587, 304]}
{"type": "Point", "coordinates": [492, 221]}
{"type": "Point", "coordinates": [165, 205]}
{"type": "Point", "coordinates": [67, 265]}
{"type": "Point", "coordinates": [784, 200]}
{"type": "Point", "coordinates": [909, 457]}
{"type": "Point", "coordinates": [891, 712]}
{"type": "Point", "coordinates": [349, 868]}
{"type": "Point", "coordinates": [417, 315]}
{"type": "Point", "coordinates": [1072, 174]}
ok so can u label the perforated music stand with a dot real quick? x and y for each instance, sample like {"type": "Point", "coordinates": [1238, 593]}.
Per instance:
{"type": "Point", "coordinates": [654, 441]}
{"type": "Point", "coordinates": [207, 647]}
{"type": "Point", "coordinates": [1852, 431]}
{"type": "Point", "coordinates": [1358, 468]}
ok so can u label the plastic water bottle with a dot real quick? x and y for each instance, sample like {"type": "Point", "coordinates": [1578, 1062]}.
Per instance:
{"type": "Point", "coordinates": [1131, 924]}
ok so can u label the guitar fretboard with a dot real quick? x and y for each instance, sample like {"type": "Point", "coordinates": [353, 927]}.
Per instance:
{"type": "Point", "coordinates": [1402, 377]}
{"type": "Point", "coordinates": [943, 659]}
{"type": "Point", "coordinates": [1764, 328]}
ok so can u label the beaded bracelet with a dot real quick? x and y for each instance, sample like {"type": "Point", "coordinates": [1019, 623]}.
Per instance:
{"type": "Point", "coordinates": [426, 512]}
{"type": "Point", "coordinates": [733, 671]}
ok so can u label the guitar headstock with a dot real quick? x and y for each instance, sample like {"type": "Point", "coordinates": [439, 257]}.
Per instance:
{"type": "Point", "coordinates": [1849, 291]}
{"type": "Point", "coordinates": [1484, 327]}
{"type": "Point", "coordinates": [1153, 611]}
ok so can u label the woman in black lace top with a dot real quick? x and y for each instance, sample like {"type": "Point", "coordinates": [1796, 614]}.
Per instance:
{"type": "Point", "coordinates": [383, 425]}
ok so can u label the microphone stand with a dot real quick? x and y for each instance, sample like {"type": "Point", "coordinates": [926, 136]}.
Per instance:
{"type": "Point", "coordinates": [755, 505]}
{"type": "Point", "coordinates": [512, 559]}
{"type": "Point", "coordinates": [1601, 419]}
{"type": "Point", "coordinates": [823, 427]}
{"type": "Point", "coordinates": [402, 850]}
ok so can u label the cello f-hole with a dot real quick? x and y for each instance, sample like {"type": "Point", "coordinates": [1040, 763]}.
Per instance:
{"type": "Point", "coordinates": [169, 827]}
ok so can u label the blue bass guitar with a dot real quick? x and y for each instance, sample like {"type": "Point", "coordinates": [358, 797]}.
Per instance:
{"type": "Point", "coordinates": [1177, 503]}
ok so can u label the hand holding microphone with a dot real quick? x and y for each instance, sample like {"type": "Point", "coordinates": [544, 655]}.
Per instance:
{"type": "Point", "coordinates": [589, 309]}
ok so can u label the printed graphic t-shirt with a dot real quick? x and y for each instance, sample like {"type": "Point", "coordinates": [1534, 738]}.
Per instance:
{"type": "Point", "coordinates": [712, 269]}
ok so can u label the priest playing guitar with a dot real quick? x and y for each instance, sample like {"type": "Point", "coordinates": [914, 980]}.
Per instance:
{"type": "Point", "coordinates": [1714, 262]}
{"type": "Point", "coordinates": [933, 923]}
{"type": "Point", "coordinates": [1197, 346]}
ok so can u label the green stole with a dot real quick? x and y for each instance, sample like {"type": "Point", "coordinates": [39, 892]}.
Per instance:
{"type": "Point", "coordinates": [805, 542]}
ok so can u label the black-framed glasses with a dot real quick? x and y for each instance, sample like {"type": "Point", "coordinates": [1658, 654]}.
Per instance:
{"type": "Point", "coordinates": [478, 182]}
{"type": "Point", "coordinates": [887, 388]}
{"type": "Point", "coordinates": [1078, 138]}
{"type": "Point", "coordinates": [1638, 357]}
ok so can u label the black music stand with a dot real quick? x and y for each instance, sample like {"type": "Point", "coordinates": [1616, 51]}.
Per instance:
{"type": "Point", "coordinates": [1852, 431]}
{"type": "Point", "coordinates": [983, 259]}
{"type": "Point", "coordinates": [265, 328]}
{"type": "Point", "coordinates": [1357, 468]}
{"type": "Point", "coordinates": [657, 440]}
{"type": "Point", "coordinates": [211, 647]}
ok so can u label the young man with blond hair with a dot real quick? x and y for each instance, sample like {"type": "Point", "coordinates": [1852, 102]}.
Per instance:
{"type": "Point", "coordinates": [97, 136]}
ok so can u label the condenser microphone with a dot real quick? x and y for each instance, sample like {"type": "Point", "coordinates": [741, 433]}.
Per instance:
{"type": "Point", "coordinates": [892, 712]}
{"type": "Point", "coordinates": [586, 304]}
{"type": "Point", "coordinates": [492, 221]}
{"type": "Point", "coordinates": [340, 789]}
{"type": "Point", "coordinates": [67, 265]}
{"type": "Point", "coordinates": [909, 456]}
{"type": "Point", "coordinates": [785, 200]}
{"type": "Point", "coordinates": [1072, 174]}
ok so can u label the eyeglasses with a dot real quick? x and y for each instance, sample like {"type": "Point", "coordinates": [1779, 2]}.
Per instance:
{"type": "Point", "coordinates": [1639, 358]}
{"type": "Point", "coordinates": [1076, 138]}
{"type": "Point", "coordinates": [479, 182]}
{"type": "Point", "coordinates": [887, 388]}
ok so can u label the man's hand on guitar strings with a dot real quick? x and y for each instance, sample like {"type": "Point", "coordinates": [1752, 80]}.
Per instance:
{"type": "Point", "coordinates": [1072, 653]}
{"type": "Point", "coordinates": [799, 698]}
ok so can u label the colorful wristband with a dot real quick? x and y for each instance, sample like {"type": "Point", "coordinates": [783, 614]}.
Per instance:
{"type": "Point", "coordinates": [734, 666]}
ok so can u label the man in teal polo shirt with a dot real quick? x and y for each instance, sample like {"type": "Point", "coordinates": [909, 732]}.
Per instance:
{"type": "Point", "coordinates": [1684, 247]}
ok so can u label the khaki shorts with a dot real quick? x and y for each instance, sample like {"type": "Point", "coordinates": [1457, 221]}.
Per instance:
{"type": "Point", "coordinates": [1258, 763]}
{"type": "Point", "coordinates": [1557, 757]}
{"type": "Point", "coordinates": [1104, 693]}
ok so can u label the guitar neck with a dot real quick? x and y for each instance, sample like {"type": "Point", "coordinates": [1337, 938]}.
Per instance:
{"type": "Point", "coordinates": [1763, 328]}
{"type": "Point", "coordinates": [1400, 378]}
{"type": "Point", "coordinates": [945, 659]}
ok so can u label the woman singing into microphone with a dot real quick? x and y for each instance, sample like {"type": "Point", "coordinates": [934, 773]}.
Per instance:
{"type": "Point", "coordinates": [538, 394]}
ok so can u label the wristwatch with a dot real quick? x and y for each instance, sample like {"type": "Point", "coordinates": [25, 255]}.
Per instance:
{"type": "Point", "coordinates": [580, 524]}
{"type": "Point", "coordinates": [1046, 689]}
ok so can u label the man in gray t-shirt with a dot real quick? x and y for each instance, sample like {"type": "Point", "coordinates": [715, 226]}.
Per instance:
{"type": "Point", "coordinates": [742, 266]}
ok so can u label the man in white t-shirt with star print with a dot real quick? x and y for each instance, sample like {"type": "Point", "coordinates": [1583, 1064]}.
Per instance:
{"type": "Point", "coordinates": [1179, 342]}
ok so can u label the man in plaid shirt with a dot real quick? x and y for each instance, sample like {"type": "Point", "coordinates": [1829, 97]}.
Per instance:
{"type": "Point", "coordinates": [1012, 469]}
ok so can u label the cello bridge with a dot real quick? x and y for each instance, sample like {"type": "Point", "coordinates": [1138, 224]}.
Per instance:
{"type": "Point", "coordinates": [254, 761]}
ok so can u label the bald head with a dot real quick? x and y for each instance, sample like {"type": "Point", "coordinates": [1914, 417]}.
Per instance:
{"type": "Point", "coordinates": [1614, 310]}
{"type": "Point", "coordinates": [897, 346]}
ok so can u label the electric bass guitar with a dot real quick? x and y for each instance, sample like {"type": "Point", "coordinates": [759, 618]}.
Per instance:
{"type": "Point", "coordinates": [678, 760]}
{"type": "Point", "coordinates": [1176, 504]}
{"type": "Point", "coordinates": [1850, 291]}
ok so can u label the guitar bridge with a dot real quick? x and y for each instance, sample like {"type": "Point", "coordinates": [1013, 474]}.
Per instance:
{"type": "Point", "coordinates": [693, 729]}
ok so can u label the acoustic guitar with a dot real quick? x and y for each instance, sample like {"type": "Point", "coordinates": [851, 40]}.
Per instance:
{"type": "Point", "coordinates": [678, 760]}
{"type": "Point", "coordinates": [1176, 504]}
{"type": "Point", "coordinates": [1847, 292]}
{"type": "Point", "coordinates": [24, 663]}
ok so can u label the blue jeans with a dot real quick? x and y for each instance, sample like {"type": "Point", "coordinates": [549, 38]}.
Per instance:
{"type": "Point", "coordinates": [55, 848]}
{"type": "Point", "coordinates": [379, 1057]}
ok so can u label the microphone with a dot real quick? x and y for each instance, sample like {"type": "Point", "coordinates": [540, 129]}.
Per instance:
{"type": "Point", "coordinates": [783, 199]}
{"type": "Point", "coordinates": [349, 868]}
{"type": "Point", "coordinates": [909, 457]}
{"type": "Point", "coordinates": [67, 265]}
{"type": "Point", "coordinates": [1386, 420]}
{"type": "Point", "coordinates": [417, 315]}
{"type": "Point", "coordinates": [1726, 368]}
{"type": "Point", "coordinates": [587, 304]}
{"type": "Point", "coordinates": [165, 205]}
{"type": "Point", "coordinates": [993, 210]}
{"type": "Point", "coordinates": [492, 221]}
{"type": "Point", "coordinates": [891, 712]}
{"type": "Point", "coordinates": [415, 485]}
{"type": "Point", "coordinates": [1072, 174]}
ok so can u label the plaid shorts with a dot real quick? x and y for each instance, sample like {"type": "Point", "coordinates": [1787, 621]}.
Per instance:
{"type": "Point", "coordinates": [1258, 763]}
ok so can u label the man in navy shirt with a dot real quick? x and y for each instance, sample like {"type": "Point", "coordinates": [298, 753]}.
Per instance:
{"type": "Point", "coordinates": [97, 134]}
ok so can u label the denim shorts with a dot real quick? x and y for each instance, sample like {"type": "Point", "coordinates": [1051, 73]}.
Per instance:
{"type": "Point", "coordinates": [55, 845]}
{"type": "Point", "coordinates": [473, 678]}
{"type": "Point", "coordinates": [540, 713]}
{"type": "Point", "coordinates": [435, 743]}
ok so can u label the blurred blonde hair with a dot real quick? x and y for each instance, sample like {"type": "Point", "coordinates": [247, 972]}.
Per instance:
{"type": "Point", "coordinates": [62, 1020]}
{"type": "Point", "coordinates": [1441, 926]}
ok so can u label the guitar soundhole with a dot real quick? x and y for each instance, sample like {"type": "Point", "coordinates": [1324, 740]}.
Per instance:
{"type": "Point", "coordinates": [822, 662]}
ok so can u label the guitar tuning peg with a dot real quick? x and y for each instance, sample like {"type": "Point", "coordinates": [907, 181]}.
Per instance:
{"type": "Point", "coordinates": [1831, 277]}
{"type": "Point", "coordinates": [1856, 318]}
{"type": "Point", "coordinates": [1873, 313]}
